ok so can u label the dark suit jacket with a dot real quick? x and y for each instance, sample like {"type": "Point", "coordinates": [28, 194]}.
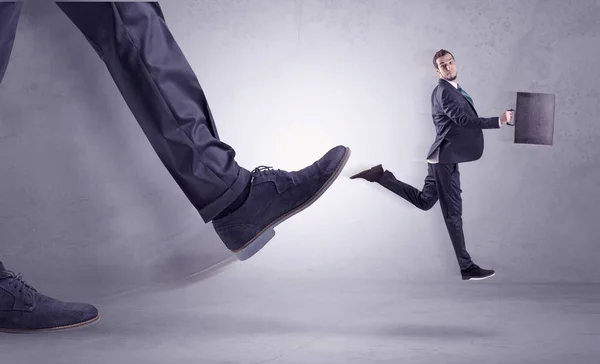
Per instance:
{"type": "Point", "coordinates": [458, 128]}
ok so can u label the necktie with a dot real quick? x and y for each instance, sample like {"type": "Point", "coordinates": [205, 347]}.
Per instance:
{"type": "Point", "coordinates": [466, 95]}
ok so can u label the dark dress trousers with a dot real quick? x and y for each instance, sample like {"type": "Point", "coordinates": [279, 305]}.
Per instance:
{"type": "Point", "coordinates": [459, 139]}
{"type": "Point", "coordinates": [160, 88]}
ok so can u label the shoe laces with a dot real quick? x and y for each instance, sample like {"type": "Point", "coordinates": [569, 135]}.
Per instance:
{"type": "Point", "coordinates": [16, 281]}
{"type": "Point", "coordinates": [262, 169]}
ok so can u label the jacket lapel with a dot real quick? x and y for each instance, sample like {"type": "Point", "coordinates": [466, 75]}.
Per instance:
{"type": "Point", "coordinates": [444, 83]}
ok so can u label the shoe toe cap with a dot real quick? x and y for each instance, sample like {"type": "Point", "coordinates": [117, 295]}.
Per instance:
{"type": "Point", "coordinates": [331, 160]}
{"type": "Point", "coordinates": [51, 312]}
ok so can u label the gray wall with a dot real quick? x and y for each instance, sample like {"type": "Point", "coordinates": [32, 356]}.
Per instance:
{"type": "Point", "coordinates": [86, 208]}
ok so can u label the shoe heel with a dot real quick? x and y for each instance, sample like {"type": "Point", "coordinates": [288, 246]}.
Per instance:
{"type": "Point", "coordinates": [259, 242]}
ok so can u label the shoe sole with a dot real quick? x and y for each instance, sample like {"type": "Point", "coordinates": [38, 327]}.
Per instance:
{"type": "Point", "coordinates": [479, 278]}
{"type": "Point", "coordinates": [265, 235]}
{"type": "Point", "coordinates": [58, 328]}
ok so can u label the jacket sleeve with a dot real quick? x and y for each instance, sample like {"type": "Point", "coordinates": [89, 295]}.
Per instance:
{"type": "Point", "coordinates": [454, 111]}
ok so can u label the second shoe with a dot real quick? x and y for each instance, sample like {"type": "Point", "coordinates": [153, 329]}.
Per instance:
{"type": "Point", "coordinates": [372, 175]}
{"type": "Point", "coordinates": [475, 273]}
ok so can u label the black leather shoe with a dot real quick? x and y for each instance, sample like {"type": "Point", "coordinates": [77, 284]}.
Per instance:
{"type": "Point", "coordinates": [23, 309]}
{"type": "Point", "coordinates": [475, 273]}
{"type": "Point", "coordinates": [274, 197]}
{"type": "Point", "coordinates": [372, 175]}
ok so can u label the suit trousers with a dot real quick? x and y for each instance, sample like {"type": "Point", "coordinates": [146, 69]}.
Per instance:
{"type": "Point", "coordinates": [161, 90]}
{"type": "Point", "coordinates": [442, 183]}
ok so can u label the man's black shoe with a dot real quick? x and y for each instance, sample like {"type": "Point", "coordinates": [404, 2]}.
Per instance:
{"type": "Point", "coordinates": [372, 175]}
{"type": "Point", "coordinates": [23, 309]}
{"type": "Point", "coordinates": [476, 273]}
{"type": "Point", "coordinates": [275, 196]}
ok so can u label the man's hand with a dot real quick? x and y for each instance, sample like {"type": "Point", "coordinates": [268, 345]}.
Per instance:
{"type": "Point", "coordinates": [506, 116]}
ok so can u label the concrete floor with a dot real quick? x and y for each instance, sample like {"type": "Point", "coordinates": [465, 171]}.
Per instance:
{"type": "Point", "coordinates": [235, 316]}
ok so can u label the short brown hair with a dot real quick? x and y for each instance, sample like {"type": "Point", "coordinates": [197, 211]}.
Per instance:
{"type": "Point", "coordinates": [438, 54]}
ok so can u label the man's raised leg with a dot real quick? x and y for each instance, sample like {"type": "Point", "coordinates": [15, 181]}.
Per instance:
{"type": "Point", "coordinates": [164, 94]}
{"type": "Point", "coordinates": [423, 199]}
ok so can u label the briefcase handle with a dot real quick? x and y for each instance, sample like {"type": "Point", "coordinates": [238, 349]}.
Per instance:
{"type": "Point", "coordinates": [513, 124]}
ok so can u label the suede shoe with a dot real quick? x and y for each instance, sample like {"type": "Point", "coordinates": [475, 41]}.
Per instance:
{"type": "Point", "coordinates": [275, 196]}
{"type": "Point", "coordinates": [372, 175]}
{"type": "Point", "coordinates": [23, 309]}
